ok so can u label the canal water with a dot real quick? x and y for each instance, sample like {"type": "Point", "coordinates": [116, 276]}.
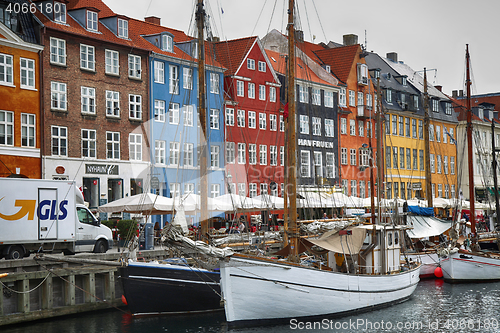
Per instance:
{"type": "Point", "coordinates": [434, 307]}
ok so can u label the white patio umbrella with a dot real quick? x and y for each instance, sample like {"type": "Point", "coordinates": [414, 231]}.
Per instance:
{"type": "Point", "coordinates": [192, 204]}
{"type": "Point", "coordinates": [144, 203]}
{"type": "Point", "coordinates": [270, 201]}
{"type": "Point", "coordinates": [239, 202]}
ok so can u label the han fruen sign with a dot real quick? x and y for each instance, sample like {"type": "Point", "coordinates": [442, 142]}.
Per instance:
{"type": "Point", "coordinates": [108, 169]}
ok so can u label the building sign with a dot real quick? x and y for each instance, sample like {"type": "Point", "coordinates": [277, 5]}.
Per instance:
{"type": "Point", "coordinates": [155, 183]}
{"type": "Point", "coordinates": [108, 169]}
{"type": "Point", "coordinates": [314, 143]}
{"type": "Point", "coordinates": [416, 186]}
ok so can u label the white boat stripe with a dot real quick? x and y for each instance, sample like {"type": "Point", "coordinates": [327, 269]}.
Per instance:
{"type": "Point", "coordinates": [168, 279]}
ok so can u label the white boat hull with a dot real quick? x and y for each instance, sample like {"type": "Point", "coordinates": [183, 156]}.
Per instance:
{"type": "Point", "coordinates": [429, 261]}
{"type": "Point", "coordinates": [257, 290]}
{"type": "Point", "coordinates": [466, 267]}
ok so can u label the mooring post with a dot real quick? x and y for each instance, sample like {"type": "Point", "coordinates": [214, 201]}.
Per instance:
{"type": "Point", "coordinates": [47, 294]}
{"type": "Point", "coordinates": [24, 297]}
{"type": "Point", "coordinates": [70, 290]}
{"type": "Point", "coordinates": [109, 286]}
{"type": "Point", "coordinates": [89, 286]}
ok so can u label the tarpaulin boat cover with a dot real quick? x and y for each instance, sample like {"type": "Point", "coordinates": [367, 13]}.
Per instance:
{"type": "Point", "coordinates": [424, 211]}
{"type": "Point", "coordinates": [336, 242]}
{"type": "Point", "coordinates": [426, 226]}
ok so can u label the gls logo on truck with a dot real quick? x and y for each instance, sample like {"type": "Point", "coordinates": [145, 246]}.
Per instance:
{"type": "Point", "coordinates": [46, 210]}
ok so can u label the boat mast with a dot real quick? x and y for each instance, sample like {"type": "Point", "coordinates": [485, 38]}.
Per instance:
{"type": "Point", "coordinates": [469, 150]}
{"type": "Point", "coordinates": [427, 158]}
{"type": "Point", "coordinates": [494, 167]}
{"type": "Point", "coordinates": [200, 21]}
{"type": "Point", "coordinates": [380, 152]}
{"type": "Point", "coordinates": [291, 186]}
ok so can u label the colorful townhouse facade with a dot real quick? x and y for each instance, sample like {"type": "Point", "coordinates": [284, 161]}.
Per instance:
{"type": "Point", "coordinates": [442, 135]}
{"type": "Point", "coordinates": [254, 125]}
{"type": "Point", "coordinates": [20, 91]}
{"type": "Point", "coordinates": [355, 116]}
{"type": "Point", "coordinates": [94, 115]}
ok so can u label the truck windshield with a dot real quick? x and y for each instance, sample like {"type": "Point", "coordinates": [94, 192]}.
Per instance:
{"type": "Point", "coordinates": [84, 216]}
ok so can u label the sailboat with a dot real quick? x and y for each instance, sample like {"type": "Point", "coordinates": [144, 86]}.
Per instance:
{"type": "Point", "coordinates": [460, 265]}
{"type": "Point", "coordinates": [265, 290]}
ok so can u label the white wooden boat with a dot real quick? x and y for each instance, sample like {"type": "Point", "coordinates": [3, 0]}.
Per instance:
{"type": "Point", "coordinates": [462, 266]}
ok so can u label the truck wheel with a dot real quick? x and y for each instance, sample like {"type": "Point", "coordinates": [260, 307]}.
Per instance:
{"type": "Point", "coordinates": [15, 252]}
{"type": "Point", "coordinates": [100, 247]}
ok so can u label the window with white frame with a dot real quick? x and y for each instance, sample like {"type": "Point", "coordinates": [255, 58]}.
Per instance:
{"type": "Point", "coordinates": [58, 96]}
{"type": "Point", "coordinates": [352, 154]}
{"type": "Point", "coordinates": [361, 98]}
{"type": "Point", "coordinates": [113, 145]}
{"type": "Point", "coordinates": [438, 133]}
{"type": "Point", "coordinates": [304, 124]}
{"type": "Point", "coordinates": [273, 155]}
{"type": "Point", "coordinates": [88, 100]}
{"type": "Point", "coordinates": [262, 66]}
{"type": "Point", "coordinates": [112, 62]}
{"type": "Point", "coordinates": [282, 124]}
{"type": "Point", "coordinates": [431, 132]}
{"type": "Point", "coordinates": [273, 122]}
{"type": "Point", "coordinates": [88, 143]}
{"type": "Point", "coordinates": [401, 158]}
{"type": "Point", "coordinates": [187, 78]}
{"type": "Point", "coordinates": [274, 190]}
{"type": "Point", "coordinates": [159, 110]}
{"type": "Point", "coordinates": [135, 147]}
{"type": "Point", "coordinates": [394, 125]}
{"type": "Point", "coordinates": [352, 127]}
{"type": "Point", "coordinates": [57, 51]}
{"type": "Point", "coordinates": [343, 125]}
{"type": "Point", "coordinates": [112, 103]}
{"type": "Point", "coordinates": [160, 152]}
{"type": "Point", "coordinates": [188, 154]}
{"type": "Point", "coordinates": [242, 190]}
{"type": "Point", "coordinates": [173, 83]}
{"type": "Point", "coordinates": [27, 73]}
{"type": "Point", "coordinates": [316, 126]}
{"type": "Point", "coordinates": [272, 94]}
{"type": "Point", "coordinates": [342, 97]}
{"type": "Point", "coordinates": [407, 127]}
{"type": "Point", "coordinates": [354, 188]}
{"type": "Point", "coordinates": [318, 163]}
{"type": "Point", "coordinates": [388, 95]}
{"type": "Point", "coordinates": [173, 113]}
{"type": "Point", "coordinates": [445, 135]}
{"type": "Point", "coordinates": [262, 121]}
{"type": "Point", "coordinates": [303, 94]}
{"type": "Point", "coordinates": [134, 66]}
{"type": "Point", "coordinates": [59, 136]}
{"type": "Point", "coordinates": [241, 153]}
{"type": "Point", "coordinates": [421, 158]}
{"type": "Point", "coordinates": [433, 167]}
{"type": "Point", "coordinates": [395, 157]}
{"type": "Point", "coordinates": [401, 126]}
{"type": "Point", "coordinates": [420, 130]}
{"type": "Point", "coordinates": [174, 153]}
{"type": "Point", "coordinates": [240, 88]}
{"type": "Point", "coordinates": [352, 98]}
{"type": "Point", "coordinates": [159, 68]}
{"type": "Point", "coordinates": [448, 108]}
{"type": "Point", "coordinates": [167, 43]}
{"type": "Point", "coordinates": [330, 165]}
{"type": "Point", "coordinates": [438, 164]}
{"type": "Point", "coordinates": [135, 106]}
{"type": "Point", "coordinates": [214, 119]}
{"type": "Point", "coordinates": [362, 191]}
{"type": "Point", "coordinates": [229, 117]}
{"type": "Point", "coordinates": [252, 190]}
{"type": "Point", "coordinates": [252, 153]}
{"type": "Point", "coordinates": [122, 28]}
{"type": "Point", "coordinates": [329, 128]}
{"type": "Point", "coordinates": [214, 190]}
{"type": "Point", "coordinates": [251, 64]}
{"type": "Point", "coordinates": [241, 118]}
{"type": "Point", "coordinates": [6, 69]}
{"type": "Point", "coordinates": [369, 100]}
{"type": "Point", "coordinates": [305, 163]}
{"type": "Point", "coordinates": [59, 12]}
{"type": "Point", "coordinates": [28, 130]}
{"type": "Point", "coordinates": [316, 96]}
{"type": "Point", "coordinates": [452, 136]}
{"type": "Point", "coordinates": [252, 119]}
{"type": "Point", "coordinates": [435, 105]}
{"type": "Point", "coordinates": [188, 115]}
{"type": "Point", "coordinates": [264, 189]}
{"type": "Point", "coordinates": [175, 190]}
{"type": "Point", "coordinates": [214, 83]}
{"type": "Point", "coordinates": [452, 165]}
{"type": "Point", "coordinates": [282, 155]}
{"type": "Point", "coordinates": [91, 20]}
{"type": "Point", "coordinates": [344, 186]}
{"type": "Point", "coordinates": [262, 154]}
{"type": "Point", "coordinates": [343, 156]}
{"type": "Point", "coordinates": [251, 90]}
{"type": "Point", "coordinates": [361, 128]}
{"type": "Point", "coordinates": [445, 164]}
{"type": "Point", "coordinates": [230, 153]}
{"type": "Point", "coordinates": [329, 99]}
{"type": "Point", "coordinates": [262, 92]}
{"type": "Point", "coordinates": [214, 156]}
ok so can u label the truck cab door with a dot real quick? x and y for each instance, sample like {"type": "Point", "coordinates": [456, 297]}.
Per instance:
{"type": "Point", "coordinates": [85, 230]}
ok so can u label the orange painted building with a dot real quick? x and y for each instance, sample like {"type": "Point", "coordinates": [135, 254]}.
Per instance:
{"type": "Point", "coordinates": [20, 90]}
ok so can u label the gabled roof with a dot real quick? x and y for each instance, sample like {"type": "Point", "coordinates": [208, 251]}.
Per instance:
{"type": "Point", "coordinates": [339, 59]}
{"type": "Point", "coordinates": [232, 53]}
{"type": "Point", "coordinates": [104, 10]}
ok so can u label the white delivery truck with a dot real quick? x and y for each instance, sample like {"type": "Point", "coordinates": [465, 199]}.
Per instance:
{"type": "Point", "coordinates": [49, 216]}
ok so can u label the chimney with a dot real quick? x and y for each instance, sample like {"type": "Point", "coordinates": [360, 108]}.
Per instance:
{"type": "Point", "coordinates": [392, 56]}
{"type": "Point", "coordinates": [454, 93]}
{"type": "Point", "coordinates": [350, 39]}
{"type": "Point", "coordinates": [153, 19]}
{"type": "Point", "coordinates": [440, 88]}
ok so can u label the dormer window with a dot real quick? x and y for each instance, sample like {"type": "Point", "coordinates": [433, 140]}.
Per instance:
{"type": "Point", "coordinates": [480, 113]}
{"type": "Point", "coordinates": [435, 105]}
{"type": "Point", "coordinates": [91, 20]}
{"type": "Point", "coordinates": [194, 49]}
{"type": "Point", "coordinates": [167, 43]}
{"type": "Point", "coordinates": [122, 28]}
{"type": "Point", "coordinates": [328, 69]}
{"type": "Point", "coordinates": [362, 74]}
{"type": "Point", "coordinates": [59, 12]}
{"type": "Point", "coordinates": [403, 81]}
{"type": "Point", "coordinates": [388, 96]}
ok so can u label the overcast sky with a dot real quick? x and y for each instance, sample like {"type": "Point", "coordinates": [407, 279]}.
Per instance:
{"type": "Point", "coordinates": [424, 33]}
